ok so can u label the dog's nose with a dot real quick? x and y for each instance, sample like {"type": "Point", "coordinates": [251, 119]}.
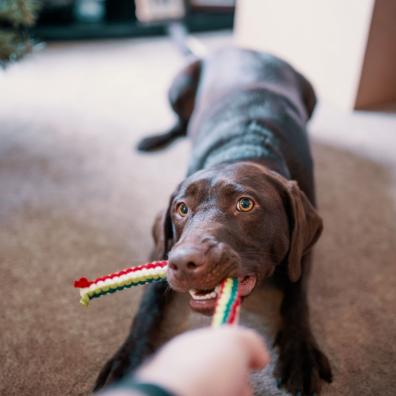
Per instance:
{"type": "Point", "coordinates": [187, 260]}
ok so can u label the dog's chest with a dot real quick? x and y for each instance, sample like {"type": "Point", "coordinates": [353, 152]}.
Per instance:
{"type": "Point", "coordinates": [260, 311]}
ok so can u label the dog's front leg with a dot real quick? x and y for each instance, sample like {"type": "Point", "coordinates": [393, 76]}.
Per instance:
{"type": "Point", "coordinates": [302, 365]}
{"type": "Point", "coordinates": [140, 341]}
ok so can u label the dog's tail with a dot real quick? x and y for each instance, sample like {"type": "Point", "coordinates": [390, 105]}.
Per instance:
{"type": "Point", "coordinates": [182, 91]}
{"type": "Point", "coordinates": [185, 42]}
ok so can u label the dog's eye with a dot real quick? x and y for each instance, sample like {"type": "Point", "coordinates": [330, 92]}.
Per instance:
{"type": "Point", "coordinates": [182, 209]}
{"type": "Point", "coordinates": [245, 204]}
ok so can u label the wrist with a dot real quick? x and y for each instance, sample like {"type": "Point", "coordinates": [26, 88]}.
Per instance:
{"type": "Point", "coordinates": [171, 380]}
{"type": "Point", "coordinates": [133, 386]}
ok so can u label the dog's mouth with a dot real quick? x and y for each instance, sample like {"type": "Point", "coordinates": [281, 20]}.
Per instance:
{"type": "Point", "coordinates": [204, 301]}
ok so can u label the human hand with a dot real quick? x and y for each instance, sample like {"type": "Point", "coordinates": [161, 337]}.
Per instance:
{"type": "Point", "coordinates": [210, 362]}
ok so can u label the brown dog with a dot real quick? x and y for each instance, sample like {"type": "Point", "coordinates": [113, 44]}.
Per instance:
{"type": "Point", "coordinates": [246, 208]}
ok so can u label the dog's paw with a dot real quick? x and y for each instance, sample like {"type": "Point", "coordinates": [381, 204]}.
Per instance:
{"type": "Point", "coordinates": [301, 366]}
{"type": "Point", "coordinates": [114, 369]}
{"type": "Point", "coordinates": [149, 143]}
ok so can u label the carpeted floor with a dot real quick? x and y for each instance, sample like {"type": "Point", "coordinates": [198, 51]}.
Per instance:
{"type": "Point", "coordinates": [76, 200]}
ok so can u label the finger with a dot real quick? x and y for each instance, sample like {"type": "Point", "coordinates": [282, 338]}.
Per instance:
{"type": "Point", "coordinates": [247, 390]}
{"type": "Point", "coordinates": [258, 356]}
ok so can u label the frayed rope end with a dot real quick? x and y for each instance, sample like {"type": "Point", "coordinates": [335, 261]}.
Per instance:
{"type": "Point", "coordinates": [82, 283]}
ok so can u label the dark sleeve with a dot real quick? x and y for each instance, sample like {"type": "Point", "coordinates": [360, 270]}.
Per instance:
{"type": "Point", "coordinates": [144, 388]}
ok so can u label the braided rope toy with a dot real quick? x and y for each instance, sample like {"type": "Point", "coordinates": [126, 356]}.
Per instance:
{"type": "Point", "coordinates": [133, 276]}
{"type": "Point", "coordinates": [227, 304]}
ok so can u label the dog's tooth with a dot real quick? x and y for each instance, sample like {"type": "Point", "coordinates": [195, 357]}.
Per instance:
{"type": "Point", "coordinates": [207, 296]}
{"type": "Point", "coordinates": [199, 296]}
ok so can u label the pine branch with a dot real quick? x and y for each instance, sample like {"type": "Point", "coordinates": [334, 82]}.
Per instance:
{"type": "Point", "coordinates": [18, 12]}
{"type": "Point", "coordinates": [13, 47]}
{"type": "Point", "coordinates": [15, 17]}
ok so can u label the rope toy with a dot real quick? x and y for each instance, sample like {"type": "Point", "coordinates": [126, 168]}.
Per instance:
{"type": "Point", "coordinates": [133, 276]}
{"type": "Point", "coordinates": [227, 304]}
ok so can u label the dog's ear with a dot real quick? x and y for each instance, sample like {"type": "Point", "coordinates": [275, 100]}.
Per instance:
{"type": "Point", "coordinates": [162, 232]}
{"type": "Point", "coordinates": [168, 229]}
{"type": "Point", "coordinates": [157, 232]}
{"type": "Point", "coordinates": [306, 226]}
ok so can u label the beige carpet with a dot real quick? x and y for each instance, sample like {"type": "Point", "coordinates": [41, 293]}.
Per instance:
{"type": "Point", "coordinates": [76, 200]}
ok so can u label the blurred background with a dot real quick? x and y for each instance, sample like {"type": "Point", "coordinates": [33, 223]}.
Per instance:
{"type": "Point", "coordinates": [83, 80]}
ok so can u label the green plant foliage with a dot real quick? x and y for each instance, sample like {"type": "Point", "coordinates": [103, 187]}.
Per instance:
{"type": "Point", "coordinates": [15, 17]}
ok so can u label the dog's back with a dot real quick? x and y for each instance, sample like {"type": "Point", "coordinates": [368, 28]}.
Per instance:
{"type": "Point", "coordinates": [234, 69]}
{"type": "Point", "coordinates": [252, 105]}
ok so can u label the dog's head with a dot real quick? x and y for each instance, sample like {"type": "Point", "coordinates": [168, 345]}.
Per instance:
{"type": "Point", "coordinates": [237, 220]}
